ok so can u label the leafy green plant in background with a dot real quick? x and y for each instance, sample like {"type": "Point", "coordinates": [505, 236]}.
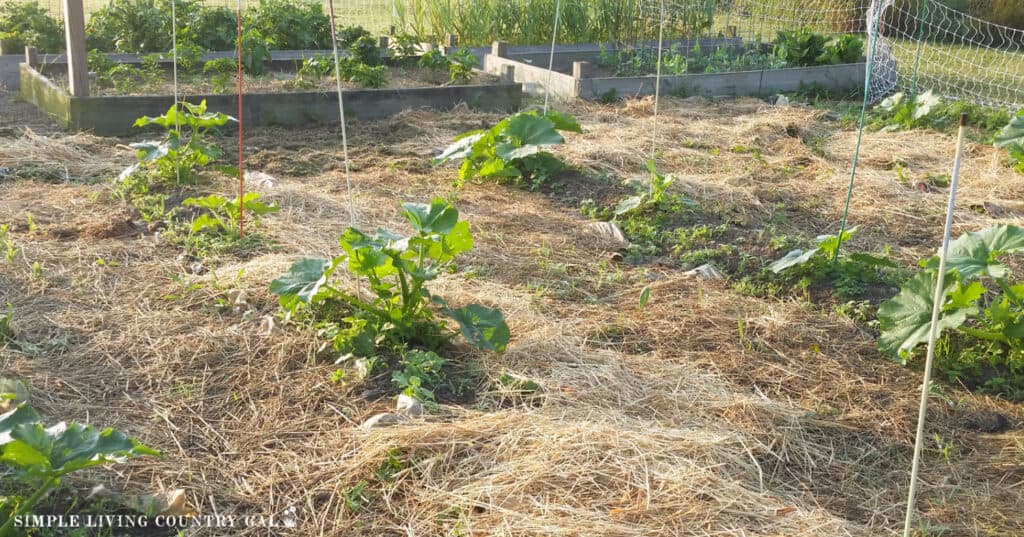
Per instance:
{"type": "Point", "coordinates": [459, 64]}
{"type": "Point", "coordinates": [27, 24]}
{"type": "Point", "coordinates": [255, 52]}
{"type": "Point", "coordinates": [900, 111]}
{"type": "Point", "coordinates": [982, 318]}
{"type": "Point", "coordinates": [399, 314]}
{"type": "Point", "coordinates": [482, 22]}
{"type": "Point", "coordinates": [291, 24]}
{"type": "Point", "coordinates": [40, 456]}
{"type": "Point", "coordinates": [222, 73]}
{"type": "Point", "coordinates": [365, 50]}
{"type": "Point", "coordinates": [1012, 139]}
{"type": "Point", "coordinates": [513, 150]}
{"type": "Point", "coordinates": [850, 274]}
{"type": "Point", "coordinates": [806, 48]}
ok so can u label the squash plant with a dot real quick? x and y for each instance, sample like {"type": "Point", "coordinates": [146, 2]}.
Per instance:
{"type": "Point", "coordinates": [41, 456]}
{"type": "Point", "coordinates": [176, 159]}
{"type": "Point", "coordinates": [1012, 138]}
{"type": "Point", "coordinates": [512, 150]}
{"type": "Point", "coordinates": [223, 214]}
{"type": "Point", "coordinates": [849, 273]}
{"type": "Point", "coordinates": [982, 310]}
{"type": "Point", "coordinates": [400, 311]}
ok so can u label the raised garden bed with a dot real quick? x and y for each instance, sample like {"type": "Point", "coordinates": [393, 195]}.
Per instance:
{"type": "Point", "coordinates": [276, 98]}
{"type": "Point", "coordinates": [584, 71]}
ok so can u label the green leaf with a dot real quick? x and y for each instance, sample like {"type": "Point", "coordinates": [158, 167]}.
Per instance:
{"type": "Point", "coordinates": [564, 122]}
{"type": "Point", "coordinates": [873, 260]}
{"type": "Point", "coordinates": [211, 202]}
{"type": "Point", "coordinates": [496, 167]}
{"type": "Point", "coordinates": [628, 205]}
{"type": "Point", "coordinates": [892, 101]}
{"type": "Point", "coordinates": [528, 129]}
{"type": "Point", "coordinates": [205, 221]}
{"type": "Point", "coordinates": [303, 280]}
{"type": "Point", "coordinates": [21, 414]}
{"type": "Point", "coordinates": [645, 296]}
{"type": "Point", "coordinates": [483, 327]}
{"type": "Point", "coordinates": [438, 217]}
{"type": "Point", "coordinates": [965, 296]}
{"type": "Point", "coordinates": [1012, 134]}
{"type": "Point", "coordinates": [906, 319]}
{"type": "Point", "coordinates": [64, 448]}
{"type": "Point", "coordinates": [792, 259]}
{"type": "Point", "coordinates": [975, 254]}
{"type": "Point", "coordinates": [462, 148]}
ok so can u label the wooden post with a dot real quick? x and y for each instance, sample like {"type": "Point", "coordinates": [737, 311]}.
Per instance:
{"type": "Point", "coordinates": [500, 49]}
{"type": "Point", "coordinates": [32, 57]}
{"type": "Point", "coordinates": [581, 70]}
{"type": "Point", "coordinates": [384, 42]}
{"type": "Point", "coordinates": [78, 67]}
{"type": "Point", "coordinates": [508, 73]}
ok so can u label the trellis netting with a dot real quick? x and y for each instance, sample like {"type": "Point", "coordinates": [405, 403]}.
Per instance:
{"type": "Point", "coordinates": [926, 45]}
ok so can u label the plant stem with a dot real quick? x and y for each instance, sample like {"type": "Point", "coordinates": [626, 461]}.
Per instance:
{"type": "Point", "coordinates": [29, 504]}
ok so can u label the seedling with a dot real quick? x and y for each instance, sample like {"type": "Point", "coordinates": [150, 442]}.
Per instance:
{"type": "Point", "coordinates": [223, 214]}
{"type": "Point", "coordinates": [7, 243]}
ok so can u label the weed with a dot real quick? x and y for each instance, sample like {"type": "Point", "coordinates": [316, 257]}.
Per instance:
{"type": "Point", "coordinates": [354, 498]}
{"type": "Point", "coordinates": [7, 243]}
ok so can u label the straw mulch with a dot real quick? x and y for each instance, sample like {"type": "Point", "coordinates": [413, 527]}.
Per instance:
{"type": "Point", "coordinates": [660, 421]}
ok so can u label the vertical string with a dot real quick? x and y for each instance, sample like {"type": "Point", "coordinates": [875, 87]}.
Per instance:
{"type": "Point", "coordinates": [551, 59]}
{"type": "Point", "coordinates": [657, 84]}
{"type": "Point", "coordinates": [241, 159]}
{"type": "Point", "coordinates": [921, 21]}
{"type": "Point", "coordinates": [874, 37]}
{"type": "Point", "coordinates": [938, 300]}
{"type": "Point", "coordinates": [341, 115]}
{"type": "Point", "coordinates": [174, 69]}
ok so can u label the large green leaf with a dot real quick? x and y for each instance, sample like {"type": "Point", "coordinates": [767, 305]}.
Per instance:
{"type": "Point", "coordinates": [303, 280]}
{"type": "Point", "coordinates": [438, 217]}
{"type": "Point", "coordinates": [21, 415]}
{"type": "Point", "coordinates": [64, 448]}
{"type": "Point", "coordinates": [462, 148]}
{"type": "Point", "coordinates": [793, 258]}
{"type": "Point", "coordinates": [564, 122]}
{"type": "Point", "coordinates": [906, 319]}
{"type": "Point", "coordinates": [483, 327]}
{"type": "Point", "coordinates": [1012, 134]}
{"type": "Point", "coordinates": [528, 129]}
{"type": "Point", "coordinates": [976, 254]}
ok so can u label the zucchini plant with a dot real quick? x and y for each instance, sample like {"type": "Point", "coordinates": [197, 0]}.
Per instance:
{"type": "Point", "coordinates": [399, 314]}
{"type": "Point", "coordinates": [176, 159]}
{"type": "Point", "coordinates": [982, 313]}
{"type": "Point", "coordinates": [1012, 138]}
{"type": "Point", "coordinates": [40, 456]}
{"type": "Point", "coordinates": [513, 150]}
{"type": "Point", "coordinates": [849, 273]}
{"type": "Point", "coordinates": [223, 214]}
